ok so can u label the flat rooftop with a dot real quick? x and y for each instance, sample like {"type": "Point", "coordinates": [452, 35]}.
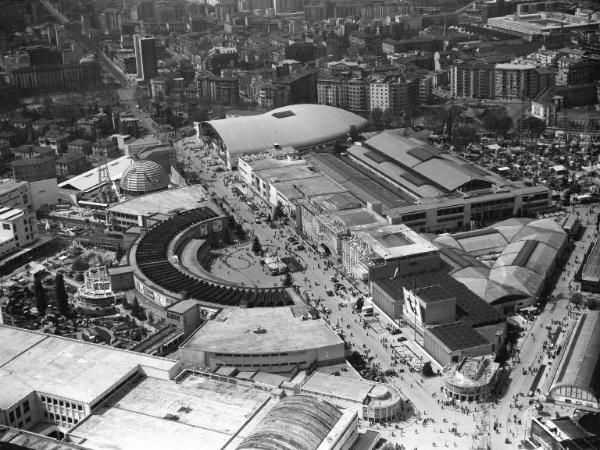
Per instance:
{"type": "Point", "coordinates": [153, 415]}
{"type": "Point", "coordinates": [9, 185]}
{"type": "Point", "coordinates": [165, 202]}
{"type": "Point", "coordinates": [362, 183]}
{"type": "Point", "coordinates": [472, 372]}
{"type": "Point", "coordinates": [16, 439]}
{"type": "Point", "coordinates": [10, 213]}
{"type": "Point", "coordinates": [33, 361]}
{"type": "Point", "coordinates": [313, 186]}
{"type": "Point", "coordinates": [469, 306]}
{"type": "Point", "coordinates": [261, 330]}
{"type": "Point", "coordinates": [458, 336]}
{"type": "Point", "coordinates": [350, 389]}
{"type": "Point", "coordinates": [395, 241]}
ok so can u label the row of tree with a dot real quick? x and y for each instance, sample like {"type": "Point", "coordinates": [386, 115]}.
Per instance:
{"type": "Point", "coordinates": [41, 299]}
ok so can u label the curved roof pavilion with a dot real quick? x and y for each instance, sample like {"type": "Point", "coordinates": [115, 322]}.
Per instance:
{"type": "Point", "coordinates": [298, 126]}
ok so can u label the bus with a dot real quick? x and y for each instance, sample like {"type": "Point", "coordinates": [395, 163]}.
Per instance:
{"type": "Point", "coordinates": [367, 310]}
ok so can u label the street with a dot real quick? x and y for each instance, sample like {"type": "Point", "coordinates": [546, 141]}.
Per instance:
{"type": "Point", "coordinates": [372, 337]}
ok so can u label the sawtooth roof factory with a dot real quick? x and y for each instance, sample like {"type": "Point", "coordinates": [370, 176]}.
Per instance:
{"type": "Point", "coordinates": [446, 193]}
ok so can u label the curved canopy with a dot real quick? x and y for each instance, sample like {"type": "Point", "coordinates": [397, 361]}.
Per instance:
{"type": "Point", "coordinates": [298, 126]}
{"type": "Point", "coordinates": [580, 363]}
{"type": "Point", "coordinates": [299, 422]}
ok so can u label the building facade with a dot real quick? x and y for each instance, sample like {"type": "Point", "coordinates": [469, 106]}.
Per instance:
{"type": "Point", "coordinates": [145, 57]}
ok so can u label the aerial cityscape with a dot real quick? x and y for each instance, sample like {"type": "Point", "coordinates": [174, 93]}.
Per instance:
{"type": "Point", "coordinates": [299, 224]}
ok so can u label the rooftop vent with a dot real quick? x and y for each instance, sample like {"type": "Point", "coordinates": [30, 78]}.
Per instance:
{"type": "Point", "coordinates": [283, 114]}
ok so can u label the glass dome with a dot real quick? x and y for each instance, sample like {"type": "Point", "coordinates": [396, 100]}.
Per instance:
{"type": "Point", "coordinates": [144, 176]}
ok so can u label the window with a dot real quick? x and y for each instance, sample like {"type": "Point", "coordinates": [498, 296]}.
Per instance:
{"type": "Point", "coordinates": [27, 419]}
{"type": "Point", "coordinates": [6, 226]}
{"type": "Point", "coordinates": [18, 411]}
{"type": "Point", "coordinates": [26, 406]}
{"type": "Point", "coordinates": [11, 416]}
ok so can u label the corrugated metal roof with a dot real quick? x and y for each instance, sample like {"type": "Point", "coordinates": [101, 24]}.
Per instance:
{"type": "Point", "coordinates": [580, 362]}
{"type": "Point", "coordinates": [299, 422]}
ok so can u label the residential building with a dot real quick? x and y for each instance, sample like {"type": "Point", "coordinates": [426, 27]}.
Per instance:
{"type": "Point", "coordinates": [71, 163]}
{"type": "Point", "coordinates": [472, 79]}
{"type": "Point", "coordinates": [80, 146]}
{"type": "Point", "coordinates": [393, 94]}
{"type": "Point", "coordinates": [515, 81]}
{"type": "Point", "coordinates": [105, 149]}
{"type": "Point", "coordinates": [300, 87]}
{"type": "Point", "coordinates": [5, 150]}
{"type": "Point", "coordinates": [55, 140]}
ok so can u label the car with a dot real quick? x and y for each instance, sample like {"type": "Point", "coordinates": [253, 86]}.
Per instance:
{"type": "Point", "coordinates": [257, 221]}
{"type": "Point", "coordinates": [292, 239]}
{"type": "Point", "coordinates": [301, 248]}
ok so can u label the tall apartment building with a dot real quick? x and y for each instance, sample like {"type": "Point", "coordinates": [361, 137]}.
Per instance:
{"type": "Point", "coordinates": [472, 79]}
{"type": "Point", "coordinates": [393, 94]}
{"type": "Point", "coordinates": [350, 94]}
{"type": "Point", "coordinates": [300, 87]}
{"type": "Point", "coordinates": [576, 70]}
{"type": "Point", "coordinates": [224, 90]}
{"type": "Point", "coordinates": [380, 9]}
{"type": "Point", "coordinates": [515, 81]}
{"type": "Point", "coordinates": [288, 6]}
{"type": "Point", "coordinates": [145, 56]}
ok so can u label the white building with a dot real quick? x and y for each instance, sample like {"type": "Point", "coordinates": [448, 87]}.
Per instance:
{"type": "Point", "coordinates": [18, 228]}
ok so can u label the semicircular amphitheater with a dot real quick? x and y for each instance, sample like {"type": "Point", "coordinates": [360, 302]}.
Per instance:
{"type": "Point", "coordinates": [162, 280]}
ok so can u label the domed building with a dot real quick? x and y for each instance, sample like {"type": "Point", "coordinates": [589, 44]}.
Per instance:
{"type": "Point", "coordinates": [142, 177]}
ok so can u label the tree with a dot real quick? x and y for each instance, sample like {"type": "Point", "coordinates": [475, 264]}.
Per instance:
{"type": "Point", "coordinates": [40, 295]}
{"type": "Point", "coordinates": [427, 369]}
{"type": "Point", "coordinates": [137, 311]}
{"type": "Point", "coordinates": [435, 118]}
{"type": "Point", "coordinates": [454, 113]}
{"type": "Point", "coordinates": [498, 122]}
{"type": "Point", "coordinates": [464, 135]}
{"type": "Point", "coordinates": [377, 119]}
{"type": "Point", "coordinates": [62, 299]}
{"type": "Point", "coordinates": [80, 265]}
{"type": "Point", "coordinates": [256, 245]}
{"type": "Point", "coordinates": [288, 280]}
{"type": "Point", "coordinates": [278, 211]}
{"type": "Point", "coordinates": [359, 304]}
{"type": "Point", "coordinates": [227, 236]}
{"type": "Point", "coordinates": [533, 127]}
